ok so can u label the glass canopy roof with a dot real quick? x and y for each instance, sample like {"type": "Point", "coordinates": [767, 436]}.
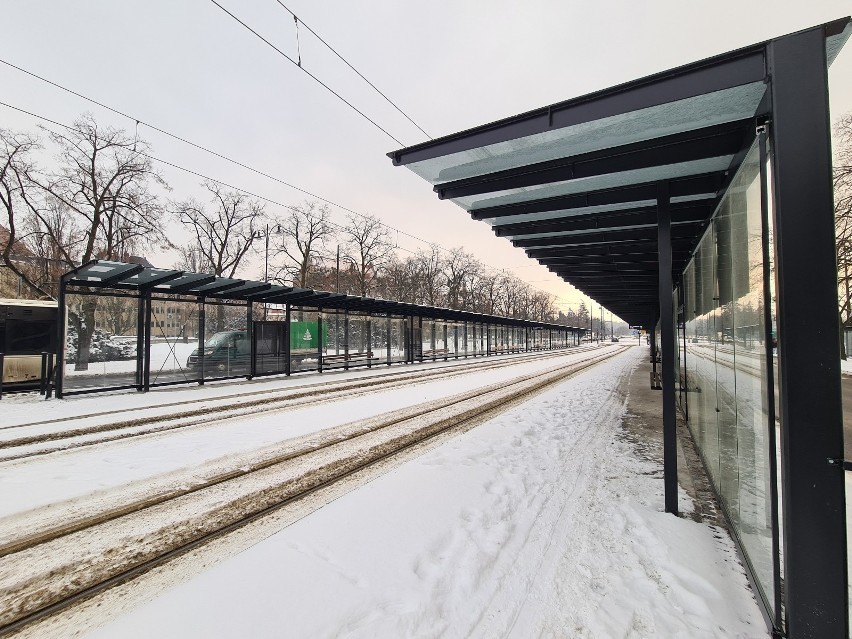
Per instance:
{"type": "Point", "coordinates": [578, 179]}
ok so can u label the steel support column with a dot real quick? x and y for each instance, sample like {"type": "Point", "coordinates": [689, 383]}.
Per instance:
{"type": "Point", "coordinates": [250, 337]}
{"type": "Point", "coordinates": [389, 339]}
{"type": "Point", "coordinates": [369, 345]}
{"type": "Point", "coordinates": [140, 342]}
{"type": "Point", "coordinates": [149, 314]}
{"type": "Point", "coordinates": [815, 590]}
{"type": "Point", "coordinates": [769, 349]}
{"type": "Point", "coordinates": [345, 337]}
{"type": "Point", "coordinates": [667, 337]}
{"type": "Point", "coordinates": [61, 320]}
{"type": "Point", "coordinates": [319, 340]}
{"type": "Point", "coordinates": [202, 321]}
{"type": "Point", "coordinates": [288, 365]}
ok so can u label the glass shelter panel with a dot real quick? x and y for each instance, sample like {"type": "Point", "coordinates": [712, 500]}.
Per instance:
{"type": "Point", "coordinates": [379, 339]}
{"type": "Point", "coordinates": [726, 378]}
{"type": "Point", "coordinates": [102, 334]}
{"type": "Point", "coordinates": [227, 349]}
{"type": "Point", "coordinates": [358, 339]}
{"type": "Point", "coordinates": [174, 339]}
{"type": "Point", "coordinates": [336, 330]}
{"type": "Point", "coordinates": [397, 339]}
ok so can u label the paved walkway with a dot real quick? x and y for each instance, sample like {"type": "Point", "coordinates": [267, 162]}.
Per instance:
{"type": "Point", "coordinates": [644, 427]}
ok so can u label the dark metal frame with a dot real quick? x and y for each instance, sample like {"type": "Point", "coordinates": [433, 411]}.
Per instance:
{"type": "Point", "coordinates": [813, 489]}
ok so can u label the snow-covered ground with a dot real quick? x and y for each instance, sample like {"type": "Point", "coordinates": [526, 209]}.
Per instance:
{"type": "Point", "coordinates": [165, 356]}
{"type": "Point", "coordinates": [540, 522]}
{"type": "Point", "coordinates": [42, 483]}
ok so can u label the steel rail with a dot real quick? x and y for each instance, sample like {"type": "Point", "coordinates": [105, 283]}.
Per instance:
{"type": "Point", "coordinates": [503, 392]}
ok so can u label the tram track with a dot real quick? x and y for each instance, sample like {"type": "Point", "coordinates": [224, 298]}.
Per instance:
{"type": "Point", "coordinates": [72, 563]}
{"type": "Point", "coordinates": [213, 410]}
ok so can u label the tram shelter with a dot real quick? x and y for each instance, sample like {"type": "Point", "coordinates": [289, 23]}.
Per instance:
{"type": "Point", "coordinates": [152, 327]}
{"type": "Point", "coordinates": [698, 203]}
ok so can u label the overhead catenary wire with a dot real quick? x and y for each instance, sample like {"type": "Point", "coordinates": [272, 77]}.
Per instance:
{"type": "Point", "coordinates": [238, 163]}
{"type": "Point", "coordinates": [347, 63]}
{"type": "Point", "coordinates": [200, 147]}
{"type": "Point", "coordinates": [181, 168]}
{"type": "Point", "coordinates": [433, 245]}
{"type": "Point", "coordinates": [312, 76]}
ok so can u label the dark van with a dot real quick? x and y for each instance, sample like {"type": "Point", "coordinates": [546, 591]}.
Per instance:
{"type": "Point", "coordinates": [227, 352]}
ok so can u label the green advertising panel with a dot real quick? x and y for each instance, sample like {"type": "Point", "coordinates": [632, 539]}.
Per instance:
{"type": "Point", "coordinates": [304, 336]}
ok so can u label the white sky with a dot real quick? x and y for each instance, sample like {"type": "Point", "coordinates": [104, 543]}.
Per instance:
{"type": "Point", "coordinates": [190, 69]}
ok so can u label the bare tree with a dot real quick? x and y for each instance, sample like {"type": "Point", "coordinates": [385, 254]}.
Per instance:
{"type": "Point", "coordinates": [104, 182]}
{"type": "Point", "coordinates": [843, 214]}
{"type": "Point", "coordinates": [486, 293]}
{"type": "Point", "coordinates": [20, 243]}
{"type": "Point", "coordinates": [368, 248]}
{"type": "Point", "coordinates": [458, 269]}
{"type": "Point", "coordinates": [399, 281]}
{"type": "Point", "coordinates": [97, 204]}
{"type": "Point", "coordinates": [303, 232]}
{"type": "Point", "coordinates": [191, 259]}
{"type": "Point", "coordinates": [224, 233]}
{"type": "Point", "coordinates": [430, 276]}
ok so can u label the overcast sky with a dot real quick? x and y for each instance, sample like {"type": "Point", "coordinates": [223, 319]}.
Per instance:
{"type": "Point", "coordinates": [185, 66]}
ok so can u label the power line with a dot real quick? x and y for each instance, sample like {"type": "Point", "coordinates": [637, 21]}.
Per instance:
{"type": "Point", "coordinates": [181, 168]}
{"type": "Point", "coordinates": [201, 147]}
{"type": "Point", "coordinates": [433, 245]}
{"type": "Point", "coordinates": [315, 78]}
{"type": "Point", "coordinates": [216, 154]}
{"type": "Point", "coordinates": [346, 62]}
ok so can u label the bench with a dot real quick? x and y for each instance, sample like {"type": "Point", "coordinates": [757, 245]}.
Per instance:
{"type": "Point", "coordinates": [435, 352]}
{"type": "Point", "coordinates": [343, 358]}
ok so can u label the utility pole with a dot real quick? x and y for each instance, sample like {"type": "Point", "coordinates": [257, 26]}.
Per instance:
{"type": "Point", "coordinates": [338, 269]}
{"type": "Point", "coordinates": [266, 267]}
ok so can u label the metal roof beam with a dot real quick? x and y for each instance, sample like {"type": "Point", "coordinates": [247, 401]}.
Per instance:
{"type": "Point", "coordinates": [644, 247]}
{"type": "Point", "coordinates": [645, 215]}
{"type": "Point", "coordinates": [681, 187]}
{"type": "Point", "coordinates": [621, 235]}
{"type": "Point", "coordinates": [123, 274]}
{"type": "Point", "coordinates": [221, 288]}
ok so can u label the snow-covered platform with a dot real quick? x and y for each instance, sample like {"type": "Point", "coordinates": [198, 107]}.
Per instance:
{"type": "Point", "coordinates": [544, 521]}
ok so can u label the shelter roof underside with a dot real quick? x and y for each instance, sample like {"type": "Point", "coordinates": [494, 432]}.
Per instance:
{"type": "Point", "coordinates": [575, 184]}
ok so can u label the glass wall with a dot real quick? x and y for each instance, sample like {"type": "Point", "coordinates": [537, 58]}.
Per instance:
{"type": "Point", "coordinates": [358, 339]}
{"type": "Point", "coordinates": [227, 349]}
{"type": "Point", "coordinates": [101, 339]}
{"type": "Point", "coordinates": [379, 338]}
{"type": "Point", "coordinates": [454, 339]}
{"type": "Point", "coordinates": [725, 369]}
{"type": "Point", "coordinates": [174, 339]}
{"type": "Point", "coordinates": [472, 338]}
{"type": "Point", "coordinates": [397, 339]}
